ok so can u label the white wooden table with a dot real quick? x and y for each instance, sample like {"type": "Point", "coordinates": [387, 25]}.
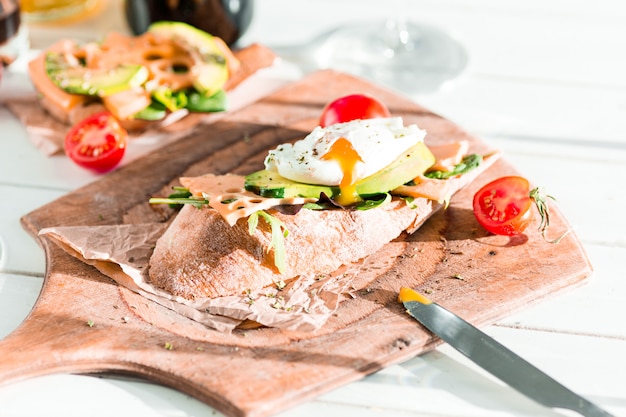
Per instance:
{"type": "Point", "coordinates": [546, 84]}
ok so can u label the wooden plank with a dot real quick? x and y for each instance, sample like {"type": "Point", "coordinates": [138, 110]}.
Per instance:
{"type": "Point", "coordinates": [83, 322]}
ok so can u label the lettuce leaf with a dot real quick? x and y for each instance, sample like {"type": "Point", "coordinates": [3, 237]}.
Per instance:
{"type": "Point", "coordinates": [279, 233]}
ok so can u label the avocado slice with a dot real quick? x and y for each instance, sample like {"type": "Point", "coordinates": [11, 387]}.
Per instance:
{"type": "Point", "coordinates": [210, 73]}
{"type": "Point", "coordinates": [77, 79]}
{"type": "Point", "coordinates": [405, 168]}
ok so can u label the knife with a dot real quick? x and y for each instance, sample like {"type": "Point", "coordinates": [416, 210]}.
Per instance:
{"type": "Point", "coordinates": [495, 357]}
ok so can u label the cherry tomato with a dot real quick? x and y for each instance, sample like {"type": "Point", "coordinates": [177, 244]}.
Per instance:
{"type": "Point", "coordinates": [97, 142]}
{"type": "Point", "coordinates": [352, 107]}
{"type": "Point", "coordinates": [504, 206]}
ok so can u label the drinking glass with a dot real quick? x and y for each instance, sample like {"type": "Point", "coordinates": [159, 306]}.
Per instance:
{"type": "Point", "coordinates": [408, 56]}
{"type": "Point", "coordinates": [226, 19]}
{"type": "Point", "coordinates": [13, 36]}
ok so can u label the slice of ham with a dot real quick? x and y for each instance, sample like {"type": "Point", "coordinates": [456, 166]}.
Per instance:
{"type": "Point", "coordinates": [441, 190]}
{"type": "Point", "coordinates": [226, 194]}
{"type": "Point", "coordinates": [448, 155]}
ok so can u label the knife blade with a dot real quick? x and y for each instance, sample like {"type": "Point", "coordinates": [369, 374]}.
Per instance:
{"type": "Point", "coordinates": [494, 357]}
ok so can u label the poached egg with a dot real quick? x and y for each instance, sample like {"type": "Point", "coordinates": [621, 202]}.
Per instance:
{"type": "Point", "coordinates": [344, 153]}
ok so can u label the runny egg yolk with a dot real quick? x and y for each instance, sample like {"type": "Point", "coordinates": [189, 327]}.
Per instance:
{"type": "Point", "coordinates": [347, 157]}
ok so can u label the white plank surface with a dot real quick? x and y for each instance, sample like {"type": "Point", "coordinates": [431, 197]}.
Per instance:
{"type": "Point", "coordinates": [546, 84]}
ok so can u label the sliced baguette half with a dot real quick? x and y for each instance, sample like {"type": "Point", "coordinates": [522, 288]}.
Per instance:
{"type": "Point", "coordinates": [202, 255]}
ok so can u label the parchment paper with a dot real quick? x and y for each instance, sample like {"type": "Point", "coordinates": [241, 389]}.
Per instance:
{"type": "Point", "coordinates": [122, 252]}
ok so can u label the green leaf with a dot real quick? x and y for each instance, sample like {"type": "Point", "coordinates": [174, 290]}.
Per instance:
{"type": "Point", "coordinates": [179, 197]}
{"type": "Point", "coordinates": [371, 203]}
{"type": "Point", "coordinates": [467, 164]}
{"type": "Point", "coordinates": [253, 222]}
{"type": "Point", "coordinates": [279, 233]}
{"type": "Point", "coordinates": [314, 206]}
{"type": "Point", "coordinates": [155, 111]}
{"type": "Point", "coordinates": [177, 202]}
{"type": "Point", "coordinates": [172, 100]}
{"type": "Point", "coordinates": [198, 102]}
{"type": "Point", "coordinates": [180, 192]}
{"type": "Point", "coordinates": [410, 201]}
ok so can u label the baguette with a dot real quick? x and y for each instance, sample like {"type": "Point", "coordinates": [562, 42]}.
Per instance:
{"type": "Point", "coordinates": [202, 254]}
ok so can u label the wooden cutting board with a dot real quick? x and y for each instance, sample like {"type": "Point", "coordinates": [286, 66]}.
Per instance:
{"type": "Point", "coordinates": [84, 323]}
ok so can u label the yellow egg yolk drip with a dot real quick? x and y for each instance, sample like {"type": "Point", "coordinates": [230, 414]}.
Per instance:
{"type": "Point", "coordinates": [347, 157]}
{"type": "Point", "coordinates": [408, 294]}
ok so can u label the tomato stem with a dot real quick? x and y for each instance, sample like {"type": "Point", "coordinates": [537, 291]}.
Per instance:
{"type": "Point", "coordinates": [541, 202]}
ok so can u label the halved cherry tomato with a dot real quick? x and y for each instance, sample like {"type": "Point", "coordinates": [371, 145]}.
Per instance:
{"type": "Point", "coordinates": [352, 107]}
{"type": "Point", "coordinates": [97, 142]}
{"type": "Point", "coordinates": [504, 206]}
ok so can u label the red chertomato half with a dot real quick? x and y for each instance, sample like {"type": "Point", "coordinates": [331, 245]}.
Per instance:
{"type": "Point", "coordinates": [504, 206]}
{"type": "Point", "coordinates": [97, 143]}
{"type": "Point", "coordinates": [352, 107]}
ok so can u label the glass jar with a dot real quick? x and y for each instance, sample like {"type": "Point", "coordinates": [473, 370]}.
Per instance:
{"type": "Point", "coordinates": [226, 19]}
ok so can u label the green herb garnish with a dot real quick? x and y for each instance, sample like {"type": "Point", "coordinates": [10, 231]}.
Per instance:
{"type": "Point", "coordinates": [165, 100]}
{"type": "Point", "coordinates": [180, 196]}
{"type": "Point", "coordinates": [155, 111]}
{"type": "Point", "coordinates": [172, 100]}
{"type": "Point", "coordinates": [410, 201]}
{"type": "Point", "coordinates": [197, 102]}
{"type": "Point", "coordinates": [371, 203]}
{"type": "Point", "coordinates": [467, 164]}
{"type": "Point", "coordinates": [279, 233]}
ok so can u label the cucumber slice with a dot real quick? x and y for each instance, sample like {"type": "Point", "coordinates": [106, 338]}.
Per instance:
{"type": "Point", "coordinates": [269, 184]}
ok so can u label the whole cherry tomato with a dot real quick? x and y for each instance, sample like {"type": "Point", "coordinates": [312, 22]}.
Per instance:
{"type": "Point", "coordinates": [503, 206]}
{"type": "Point", "coordinates": [352, 107]}
{"type": "Point", "coordinates": [97, 143]}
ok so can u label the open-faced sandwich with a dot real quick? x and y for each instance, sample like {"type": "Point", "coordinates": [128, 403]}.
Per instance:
{"type": "Point", "coordinates": [330, 199]}
{"type": "Point", "coordinates": [172, 69]}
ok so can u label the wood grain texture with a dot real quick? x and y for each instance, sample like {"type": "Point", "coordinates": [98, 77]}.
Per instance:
{"type": "Point", "coordinates": [83, 322]}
